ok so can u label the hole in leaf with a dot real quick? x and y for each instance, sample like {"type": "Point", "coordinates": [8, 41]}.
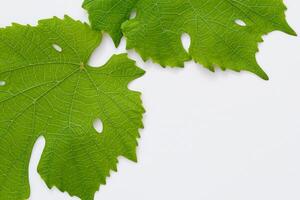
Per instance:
{"type": "Point", "coordinates": [240, 22]}
{"type": "Point", "coordinates": [57, 47]}
{"type": "Point", "coordinates": [186, 41]}
{"type": "Point", "coordinates": [98, 125]}
{"type": "Point", "coordinates": [2, 83]}
{"type": "Point", "coordinates": [133, 14]}
{"type": "Point", "coordinates": [36, 154]}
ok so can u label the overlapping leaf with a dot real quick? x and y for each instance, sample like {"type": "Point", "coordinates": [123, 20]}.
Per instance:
{"type": "Point", "coordinates": [224, 33]}
{"type": "Point", "coordinates": [47, 89]}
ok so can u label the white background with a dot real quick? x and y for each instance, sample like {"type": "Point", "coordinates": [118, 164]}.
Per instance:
{"type": "Point", "coordinates": [222, 136]}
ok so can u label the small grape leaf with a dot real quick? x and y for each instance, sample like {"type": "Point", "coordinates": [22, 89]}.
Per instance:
{"type": "Point", "coordinates": [224, 33]}
{"type": "Point", "coordinates": [49, 90]}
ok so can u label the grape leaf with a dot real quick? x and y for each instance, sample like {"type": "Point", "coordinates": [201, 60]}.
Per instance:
{"type": "Point", "coordinates": [224, 33]}
{"type": "Point", "coordinates": [49, 90]}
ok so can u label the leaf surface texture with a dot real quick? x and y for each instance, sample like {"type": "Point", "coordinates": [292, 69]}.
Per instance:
{"type": "Point", "coordinates": [224, 33]}
{"type": "Point", "coordinates": [49, 90]}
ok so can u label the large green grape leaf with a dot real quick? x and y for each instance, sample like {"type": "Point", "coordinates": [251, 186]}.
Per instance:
{"type": "Point", "coordinates": [224, 33]}
{"type": "Point", "coordinates": [47, 89]}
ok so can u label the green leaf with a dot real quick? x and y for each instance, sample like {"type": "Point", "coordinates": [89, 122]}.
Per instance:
{"type": "Point", "coordinates": [49, 90]}
{"type": "Point", "coordinates": [224, 33]}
